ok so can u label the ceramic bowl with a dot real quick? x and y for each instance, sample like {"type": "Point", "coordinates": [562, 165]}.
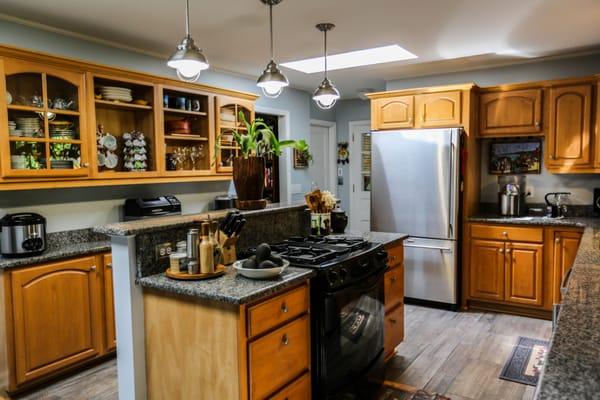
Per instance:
{"type": "Point", "coordinates": [265, 273]}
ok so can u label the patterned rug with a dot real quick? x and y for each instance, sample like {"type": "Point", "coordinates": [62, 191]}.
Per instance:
{"type": "Point", "coordinates": [526, 361]}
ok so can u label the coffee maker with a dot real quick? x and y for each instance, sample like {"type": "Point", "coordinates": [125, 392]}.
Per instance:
{"type": "Point", "coordinates": [511, 195]}
{"type": "Point", "coordinates": [556, 206]}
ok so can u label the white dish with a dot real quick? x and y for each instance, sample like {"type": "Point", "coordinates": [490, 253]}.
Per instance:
{"type": "Point", "coordinates": [265, 273]}
{"type": "Point", "coordinates": [115, 88]}
{"type": "Point", "coordinates": [9, 98]}
{"type": "Point", "coordinates": [111, 160]}
{"type": "Point", "coordinates": [109, 142]}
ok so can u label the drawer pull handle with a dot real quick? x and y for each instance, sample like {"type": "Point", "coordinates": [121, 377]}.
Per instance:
{"type": "Point", "coordinates": [284, 308]}
{"type": "Point", "coordinates": [285, 340]}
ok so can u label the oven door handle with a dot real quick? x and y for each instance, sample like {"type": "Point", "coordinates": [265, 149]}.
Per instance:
{"type": "Point", "coordinates": [371, 284]}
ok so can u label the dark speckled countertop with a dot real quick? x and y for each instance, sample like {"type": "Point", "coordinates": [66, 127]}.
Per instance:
{"type": "Point", "coordinates": [384, 238]}
{"type": "Point", "coordinates": [572, 367]}
{"type": "Point", "coordinates": [63, 245]}
{"type": "Point", "coordinates": [229, 288]}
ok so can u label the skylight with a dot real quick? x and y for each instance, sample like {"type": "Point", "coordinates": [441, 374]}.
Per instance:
{"type": "Point", "coordinates": [377, 55]}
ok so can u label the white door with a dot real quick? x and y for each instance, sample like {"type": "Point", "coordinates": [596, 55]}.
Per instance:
{"type": "Point", "coordinates": [320, 167]}
{"type": "Point", "coordinates": [360, 176]}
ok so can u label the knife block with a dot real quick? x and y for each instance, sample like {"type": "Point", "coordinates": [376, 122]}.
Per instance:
{"type": "Point", "coordinates": [228, 245]}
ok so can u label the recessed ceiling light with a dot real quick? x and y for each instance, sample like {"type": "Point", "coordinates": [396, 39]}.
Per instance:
{"type": "Point", "coordinates": [377, 55]}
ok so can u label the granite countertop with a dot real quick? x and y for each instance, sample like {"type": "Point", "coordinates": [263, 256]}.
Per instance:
{"type": "Point", "coordinates": [229, 288]}
{"type": "Point", "coordinates": [572, 367]}
{"type": "Point", "coordinates": [384, 238]}
{"type": "Point", "coordinates": [63, 245]}
{"type": "Point", "coordinates": [576, 222]}
{"type": "Point", "coordinates": [181, 221]}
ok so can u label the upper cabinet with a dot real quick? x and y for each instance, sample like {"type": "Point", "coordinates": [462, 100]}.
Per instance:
{"type": "Point", "coordinates": [438, 109]}
{"type": "Point", "coordinates": [43, 121]}
{"type": "Point", "coordinates": [569, 138]}
{"type": "Point", "coordinates": [228, 119]}
{"type": "Point", "coordinates": [392, 113]}
{"type": "Point", "coordinates": [511, 113]}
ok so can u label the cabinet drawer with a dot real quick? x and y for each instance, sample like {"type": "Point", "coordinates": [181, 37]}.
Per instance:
{"type": "Point", "coordinates": [277, 310]}
{"type": "Point", "coordinates": [394, 287]}
{"type": "Point", "coordinates": [279, 357]}
{"type": "Point", "coordinates": [395, 255]}
{"type": "Point", "coordinates": [512, 233]}
{"type": "Point", "coordinates": [394, 330]}
{"type": "Point", "coordinates": [297, 390]}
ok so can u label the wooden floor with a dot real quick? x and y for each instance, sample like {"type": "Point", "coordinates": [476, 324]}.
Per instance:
{"type": "Point", "coordinates": [461, 354]}
{"type": "Point", "coordinates": [456, 354]}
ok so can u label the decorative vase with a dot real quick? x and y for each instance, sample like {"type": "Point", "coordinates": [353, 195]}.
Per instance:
{"type": "Point", "coordinates": [339, 220]}
{"type": "Point", "coordinates": [249, 181]}
{"type": "Point", "coordinates": [320, 224]}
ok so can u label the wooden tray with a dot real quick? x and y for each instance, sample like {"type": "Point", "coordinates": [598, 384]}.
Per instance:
{"type": "Point", "coordinates": [184, 276]}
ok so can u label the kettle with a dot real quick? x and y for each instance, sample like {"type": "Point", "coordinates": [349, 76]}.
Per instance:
{"type": "Point", "coordinates": [511, 200]}
{"type": "Point", "coordinates": [554, 206]}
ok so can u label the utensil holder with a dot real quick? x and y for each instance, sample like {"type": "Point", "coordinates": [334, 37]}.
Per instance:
{"type": "Point", "coordinates": [228, 246]}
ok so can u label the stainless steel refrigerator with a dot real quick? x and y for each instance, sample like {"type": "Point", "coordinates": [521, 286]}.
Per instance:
{"type": "Point", "coordinates": [415, 190]}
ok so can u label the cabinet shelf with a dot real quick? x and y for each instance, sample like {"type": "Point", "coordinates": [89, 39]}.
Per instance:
{"type": "Point", "coordinates": [193, 138]}
{"type": "Point", "coordinates": [176, 111]}
{"type": "Point", "coordinates": [120, 105]}
{"type": "Point", "coordinates": [17, 107]}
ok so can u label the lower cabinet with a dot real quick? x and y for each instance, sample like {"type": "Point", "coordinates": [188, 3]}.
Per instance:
{"type": "Point", "coordinates": [109, 304]}
{"type": "Point", "coordinates": [393, 301]}
{"type": "Point", "coordinates": [54, 313]}
{"type": "Point", "coordinates": [518, 268]}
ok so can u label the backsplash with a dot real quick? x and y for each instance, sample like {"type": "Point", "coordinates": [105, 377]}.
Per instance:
{"type": "Point", "coordinates": [581, 186]}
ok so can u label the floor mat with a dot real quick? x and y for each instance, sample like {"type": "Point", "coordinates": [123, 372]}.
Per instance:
{"type": "Point", "coordinates": [526, 361]}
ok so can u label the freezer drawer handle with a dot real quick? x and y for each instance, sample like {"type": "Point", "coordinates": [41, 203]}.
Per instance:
{"type": "Point", "coordinates": [429, 247]}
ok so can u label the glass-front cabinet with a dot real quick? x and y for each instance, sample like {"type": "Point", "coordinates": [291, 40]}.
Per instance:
{"type": "Point", "coordinates": [227, 120]}
{"type": "Point", "coordinates": [43, 128]}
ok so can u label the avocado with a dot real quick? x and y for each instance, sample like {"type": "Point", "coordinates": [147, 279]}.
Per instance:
{"type": "Point", "coordinates": [249, 263]}
{"type": "Point", "coordinates": [276, 259]}
{"type": "Point", "coordinates": [267, 264]}
{"type": "Point", "coordinates": [263, 252]}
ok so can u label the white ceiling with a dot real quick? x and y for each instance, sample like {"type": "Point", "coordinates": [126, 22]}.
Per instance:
{"type": "Point", "coordinates": [446, 35]}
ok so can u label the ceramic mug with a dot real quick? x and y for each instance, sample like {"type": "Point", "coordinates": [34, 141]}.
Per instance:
{"type": "Point", "coordinates": [180, 102]}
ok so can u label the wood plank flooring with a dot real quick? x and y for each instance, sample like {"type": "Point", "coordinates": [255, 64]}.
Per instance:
{"type": "Point", "coordinates": [456, 354]}
{"type": "Point", "coordinates": [461, 354]}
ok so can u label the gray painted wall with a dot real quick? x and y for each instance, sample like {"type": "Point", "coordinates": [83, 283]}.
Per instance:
{"type": "Point", "coordinates": [70, 209]}
{"type": "Point", "coordinates": [580, 185]}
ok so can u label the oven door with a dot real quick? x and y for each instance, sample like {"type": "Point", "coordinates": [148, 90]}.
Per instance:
{"type": "Point", "coordinates": [353, 341]}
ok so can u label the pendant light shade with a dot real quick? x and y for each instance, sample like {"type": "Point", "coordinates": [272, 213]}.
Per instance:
{"type": "Point", "coordinates": [272, 81]}
{"type": "Point", "coordinates": [326, 94]}
{"type": "Point", "coordinates": [188, 59]}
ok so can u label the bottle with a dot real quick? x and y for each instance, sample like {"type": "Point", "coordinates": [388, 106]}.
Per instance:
{"type": "Point", "coordinates": [207, 259]}
{"type": "Point", "coordinates": [192, 245]}
{"type": "Point", "coordinates": [217, 251]}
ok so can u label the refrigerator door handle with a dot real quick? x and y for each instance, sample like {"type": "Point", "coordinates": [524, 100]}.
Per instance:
{"type": "Point", "coordinates": [451, 191]}
{"type": "Point", "coordinates": [428, 247]}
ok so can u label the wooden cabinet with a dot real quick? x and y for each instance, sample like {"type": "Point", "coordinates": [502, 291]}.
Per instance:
{"type": "Point", "coordinates": [57, 316]}
{"type": "Point", "coordinates": [524, 271]}
{"type": "Point", "coordinates": [394, 300]}
{"type": "Point", "coordinates": [227, 119]}
{"type": "Point", "coordinates": [569, 136]}
{"type": "Point", "coordinates": [511, 113]}
{"type": "Point", "coordinates": [438, 109]}
{"type": "Point", "coordinates": [298, 390]}
{"type": "Point", "coordinates": [564, 245]}
{"type": "Point", "coordinates": [109, 304]}
{"type": "Point", "coordinates": [392, 113]}
{"type": "Point", "coordinates": [487, 270]}
{"type": "Point", "coordinates": [278, 310]}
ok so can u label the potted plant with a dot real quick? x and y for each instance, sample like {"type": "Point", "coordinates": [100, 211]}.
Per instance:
{"type": "Point", "coordinates": [255, 143]}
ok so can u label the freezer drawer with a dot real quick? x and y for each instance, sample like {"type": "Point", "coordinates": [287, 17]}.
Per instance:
{"type": "Point", "coordinates": [430, 270]}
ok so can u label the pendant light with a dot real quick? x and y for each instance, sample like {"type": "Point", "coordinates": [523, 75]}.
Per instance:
{"type": "Point", "coordinates": [272, 81]}
{"type": "Point", "coordinates": [326, 94]}
{"type": "Point", "coordinates": [188, 59]}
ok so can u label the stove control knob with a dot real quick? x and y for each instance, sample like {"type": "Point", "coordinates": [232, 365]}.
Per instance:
{"type": "Point", "coordinates": [343, 274]}
{"type": "Point", "coordinates": [333, 277]}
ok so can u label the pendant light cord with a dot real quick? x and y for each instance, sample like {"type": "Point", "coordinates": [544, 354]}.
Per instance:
{"type": "Point", "coordinates": [187, 18]}
{"type": "Point", "coordinates": [325, 40]}
{"type": "Point", "coordinates": [271, 29]}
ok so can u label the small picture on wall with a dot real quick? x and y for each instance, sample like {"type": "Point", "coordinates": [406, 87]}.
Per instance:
{"type": "Point", "coordinates": [300, 160]}
{"type": "Point", "coordinates": [510, 158]}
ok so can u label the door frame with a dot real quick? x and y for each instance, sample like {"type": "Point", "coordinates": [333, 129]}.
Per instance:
{"type": "Point", "coordinates": [332, 140]}
{"type": "Point", "coordinates": [286, 159]}
{"type": "Point", "coordinates": [353, 179]}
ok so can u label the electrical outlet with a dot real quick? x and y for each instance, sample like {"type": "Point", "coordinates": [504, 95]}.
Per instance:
{"type": "Point", "coordinates": [530, 190]}
{"type": "Point", "coordinates": [163, 250]}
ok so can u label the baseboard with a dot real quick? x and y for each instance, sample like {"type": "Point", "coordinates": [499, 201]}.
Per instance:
{"type": "Point", "coordinates": [508, 309]}
{"type": "Point", "coordinates": [431, 304]}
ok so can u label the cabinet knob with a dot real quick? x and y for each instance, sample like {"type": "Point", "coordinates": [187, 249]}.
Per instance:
{"type": "Point", "coordinates": [537, 124]}
{"type": "Point", "coordinates": [500, 250]}
{"type": "Point", "coordinates": [109, 265]}
{"type": "Point", "coordinates": [557, 240]}
{"type": "Point", "coordinates": [393, 279]}
{"type": "Point", "coordinates": [285, 340]}
{"type": "Point", "coordinates": [409, 119]}
{"type": "Point", "coordinates": [93, 268]}
{"type": "Point", "coordinates": [508, 250]}
{"type": "Point", "coordinates": [393, 321]}
{"type": "Point", "coordinates": [505, 233]}
{"type": "Point", "coordinates": [551, 157]}
{"type": "Point", "coordinates": [284, 308]}
{"type": "Point", "coordinates": [85, 164]}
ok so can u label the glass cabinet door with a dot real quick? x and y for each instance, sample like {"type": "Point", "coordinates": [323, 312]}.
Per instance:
{"type": "Point", "coordinates": [43, 131]}
{"type": "Point", "coordinates": [228, 120]}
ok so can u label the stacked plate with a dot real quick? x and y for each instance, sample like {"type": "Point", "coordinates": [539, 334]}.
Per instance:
{"type": "Point", "coordinates": [18, 162]}
{"type": "Point", "coordinates": [116, 93]}
{"type": "Point", "coordinates": [61, 130]}
{"type": "Point", "coordinates": [29, 126]}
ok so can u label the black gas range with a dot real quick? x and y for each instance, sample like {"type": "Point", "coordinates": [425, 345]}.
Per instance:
{"type": "Point", "coordinates": [347, 312]}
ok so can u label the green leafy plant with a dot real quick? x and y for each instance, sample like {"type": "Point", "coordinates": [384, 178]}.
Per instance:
{"type": "Point", "coordinates": [258, 140]}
